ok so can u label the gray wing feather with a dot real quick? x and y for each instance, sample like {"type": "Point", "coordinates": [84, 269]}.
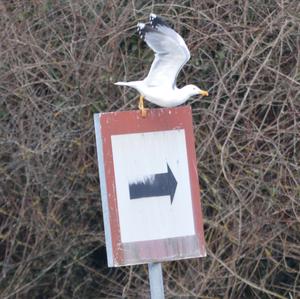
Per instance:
{"type": "Point", "coordinates": [171, 54]}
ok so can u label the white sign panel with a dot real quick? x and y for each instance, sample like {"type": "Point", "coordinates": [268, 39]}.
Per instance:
{"type": "Point", "coordinates": [138, 158]}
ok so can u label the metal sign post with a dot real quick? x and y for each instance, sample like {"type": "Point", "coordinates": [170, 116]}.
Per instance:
{"type": "Point", "coordinates": [149, 189]}
{"type": "Point", "coordinates": [156, 281]}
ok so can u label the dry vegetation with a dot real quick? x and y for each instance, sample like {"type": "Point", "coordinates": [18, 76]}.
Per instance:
{"type": "Point", "coordinates": [58, 60]}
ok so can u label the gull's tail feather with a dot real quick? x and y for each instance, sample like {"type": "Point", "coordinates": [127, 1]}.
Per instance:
{"type": "Point", "coordinates": [121, 83]}
{"type": "Point", "coordinates": [131, 84]}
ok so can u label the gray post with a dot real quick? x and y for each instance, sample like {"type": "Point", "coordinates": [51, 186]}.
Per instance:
{"type": "Point", "coordinates": [156, 281]}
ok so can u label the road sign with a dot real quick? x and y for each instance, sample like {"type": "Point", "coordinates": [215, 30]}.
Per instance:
{"type": "Point", "coordinates": [149, 186]}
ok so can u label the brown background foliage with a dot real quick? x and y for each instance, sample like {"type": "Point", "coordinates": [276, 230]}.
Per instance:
{"type": "Point", "coordinates": [58, 60]}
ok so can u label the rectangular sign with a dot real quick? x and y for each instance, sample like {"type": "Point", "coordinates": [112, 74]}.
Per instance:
{"type": "Point", "coordinates": [149, 186]}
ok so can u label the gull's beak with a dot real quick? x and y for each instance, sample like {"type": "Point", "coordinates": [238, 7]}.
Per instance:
{"type": "Point", "coordinates": [203, 93]}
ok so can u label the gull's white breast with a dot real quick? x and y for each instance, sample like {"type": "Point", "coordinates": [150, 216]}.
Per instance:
{"type": "Point", "coordinates": [164, 97]}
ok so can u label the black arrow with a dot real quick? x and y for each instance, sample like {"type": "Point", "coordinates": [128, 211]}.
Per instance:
{"type": "Point", "coordinates": [161, 184]}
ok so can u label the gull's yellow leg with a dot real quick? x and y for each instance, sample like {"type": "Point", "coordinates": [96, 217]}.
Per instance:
{"type": "Point", "coordinates": [141, 106]}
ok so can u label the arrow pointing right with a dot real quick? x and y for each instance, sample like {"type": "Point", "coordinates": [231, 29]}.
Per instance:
{"type": "Point", "coordinates": [162, 184]}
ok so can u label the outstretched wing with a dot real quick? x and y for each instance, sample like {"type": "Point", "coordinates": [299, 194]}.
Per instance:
{"type": "Point", "coordinates": [171, 52]}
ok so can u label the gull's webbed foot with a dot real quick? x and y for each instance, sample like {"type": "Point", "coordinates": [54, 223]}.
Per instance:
{"type": "Point", "coordinates": [141, 106]}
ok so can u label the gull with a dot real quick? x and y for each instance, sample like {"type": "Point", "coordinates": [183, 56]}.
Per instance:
{"type": "Point", "coordinates": [171, 54]}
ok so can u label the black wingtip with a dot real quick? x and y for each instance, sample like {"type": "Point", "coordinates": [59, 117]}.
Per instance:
{"type": "Point", "coordinates": [143, 28]}
{"type": "Point", "coordinates": [157, 21]}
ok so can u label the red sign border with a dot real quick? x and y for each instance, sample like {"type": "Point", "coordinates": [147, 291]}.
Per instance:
{"type": "Point", "coordinates": [128, 122]}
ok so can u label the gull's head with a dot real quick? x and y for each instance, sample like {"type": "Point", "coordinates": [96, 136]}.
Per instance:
{"type": "Point", "coordinates": [193, 90]}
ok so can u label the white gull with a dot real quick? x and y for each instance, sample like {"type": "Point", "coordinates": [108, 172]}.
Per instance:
{"type": "Point", "coordinates": [171, 54]}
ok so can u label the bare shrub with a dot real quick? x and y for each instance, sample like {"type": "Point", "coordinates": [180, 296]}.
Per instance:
{"type": "Point", "coordinates": [58, 60]}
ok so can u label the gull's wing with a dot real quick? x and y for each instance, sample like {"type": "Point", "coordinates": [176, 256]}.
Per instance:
{"type": "Point", "coordinates": [171, 52]}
